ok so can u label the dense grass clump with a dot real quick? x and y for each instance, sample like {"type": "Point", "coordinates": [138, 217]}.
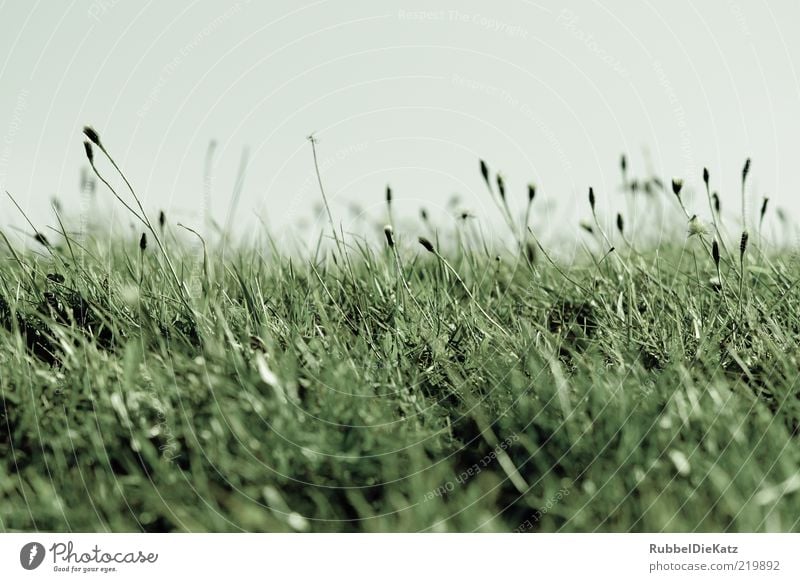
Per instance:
{"type": "Point", "coordinates": [303, 396]}
{"type": "Point", "coordinates": [408, 386]}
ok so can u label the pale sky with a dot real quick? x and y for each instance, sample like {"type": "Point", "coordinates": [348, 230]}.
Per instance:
{"type": "Point", "coordinates": [407, 94]}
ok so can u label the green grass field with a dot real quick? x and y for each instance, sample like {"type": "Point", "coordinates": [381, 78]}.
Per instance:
{"type": "Point", "coordinates": [398, 387]}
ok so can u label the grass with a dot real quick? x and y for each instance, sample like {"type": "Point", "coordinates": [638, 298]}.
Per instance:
{"type": "Point", "coordinates": [399, 386]}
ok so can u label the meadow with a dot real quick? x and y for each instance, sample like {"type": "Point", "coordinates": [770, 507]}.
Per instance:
{"type": "Point", "coordinates": [417, 380]}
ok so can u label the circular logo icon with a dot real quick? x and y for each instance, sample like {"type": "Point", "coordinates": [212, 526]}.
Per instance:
{"type": "Point", "coordinates": [31, 555]}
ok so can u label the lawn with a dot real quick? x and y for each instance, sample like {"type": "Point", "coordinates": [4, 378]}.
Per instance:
{"type": "Point", "coordinates": [397, 384]}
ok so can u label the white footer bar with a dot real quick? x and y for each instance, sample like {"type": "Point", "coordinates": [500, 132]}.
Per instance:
{"type": "Point", "coordinates": [407, 557]}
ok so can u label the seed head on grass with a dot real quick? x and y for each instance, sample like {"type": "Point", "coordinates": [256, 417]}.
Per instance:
{"type": "Point", "coordinates": [501, 186]}
{"type": "Point", "coordinates": [427, 244]}
{"type": "Point", "coordinates": [743, 245]}
{"type": "Point", "coordinates": [745, 172]}
{"type": "Point", "coordinates": [389, 203]}
{"type": "Point", "coordinates": [162, 220]}
{"type": "Point", "coordinates": [531, 196]}
{"type": "Point", "coordinates": [705, 176]}
{"type": "Point", "coordinates": [763, 209]}
{"type": "Point", "coordinates": [91, 135]}
{"type": "Point", "coordinates": [143, 242]}
{"type": "Point", "coordinates": [677, 186]}
{"type": "Point", "coordinates": [388, 232]}
{"type": "Point", "coordinates": [87, 146]}
{"type": "Point", "coordinates": [623, 164]}
{"type": "Point", "coordinates": [41, 239]}
{"type": "Point", "coordinates": [485, 173]}
{"type": "Point", "coordinates": [696, 226]}
{"type": "Point", "coordinates": [742, 249]}
{"type": "Point", "coordinates": [715, 253]}
{"type": "Point", "coordinates": [715, 198]}
{"type": "Point", "coordinates": [620, 224]}
{"type": "Point", "coordinates": [591, 198]}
